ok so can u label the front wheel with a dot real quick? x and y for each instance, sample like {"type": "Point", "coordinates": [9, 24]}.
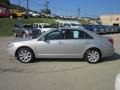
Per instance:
{"type": "Point", "coordinates": [92, 56]}
{"type": "Point", "coordinates": [25, 55]}
{"type": "Point", "coordinates": [14, 34]}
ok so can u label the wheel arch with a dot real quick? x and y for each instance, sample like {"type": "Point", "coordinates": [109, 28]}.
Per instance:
{"type": "Point", "coordinates": [92, 48]}
{"type": "Point", "coordinates": [24, 47]}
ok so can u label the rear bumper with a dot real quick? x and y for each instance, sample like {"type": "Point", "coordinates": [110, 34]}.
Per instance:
{"type": "Point", "coordinates": [108, 52]}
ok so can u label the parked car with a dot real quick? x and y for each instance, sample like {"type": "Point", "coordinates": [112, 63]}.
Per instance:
{"type": "Point", "coordinates": [113, 29]}
{"type": "Point", "coordinates": [24, 30]}
{"type": "Point", "coordinates": [63, 43]}
{"type": "Point", "coordinates": [69, 24]}
{"type": "Point", "coordinates": [43, 26]}
{"type": "Point", "coordinates": [102, 29]}
{"type": "Point", "coordinates": [93, 28]}
{"type": "Point", "coordinates": [107, 28]}
{"type": "Point", "coordinates": [34, 14]}
{"type": "Point", "coordinates": [117, 82]}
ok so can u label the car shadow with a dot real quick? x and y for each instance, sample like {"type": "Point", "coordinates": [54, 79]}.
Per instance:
{"type": "Point", "coordinates": [115, 57]}
{"type": "Point", "coordinates": [57, 60]}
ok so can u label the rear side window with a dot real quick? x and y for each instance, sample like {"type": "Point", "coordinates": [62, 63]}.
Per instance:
{"type": "Point", "coordinates": [77, 34]}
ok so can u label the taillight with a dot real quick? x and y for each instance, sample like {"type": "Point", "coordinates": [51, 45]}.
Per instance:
{"type": "Point", "coordinates": [111, 40]}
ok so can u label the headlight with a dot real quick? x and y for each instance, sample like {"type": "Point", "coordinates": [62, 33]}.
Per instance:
{"type": "Point", "coordinates": [10, 45]}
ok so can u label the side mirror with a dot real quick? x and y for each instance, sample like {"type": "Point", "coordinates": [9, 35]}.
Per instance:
{"type": "Point", "coordinates": [43, 39]}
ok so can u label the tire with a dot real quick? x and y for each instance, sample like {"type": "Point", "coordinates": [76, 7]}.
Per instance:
{"type": "Point", "coordinates": [23, 16]}
{"type": "Point", "coordinates": [25, 55]}
{"type": "Point", "coordinates": [23, 35]}
{"type": "Point", "coordinates": [92, 56]}
{"type": "Point", "coordinates": [11, 16]}
{"type": "Point", "coordinates": [14, 34]}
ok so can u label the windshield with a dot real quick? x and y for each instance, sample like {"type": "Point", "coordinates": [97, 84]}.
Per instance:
{"type": "Point", "coordinates": [47, 26]}
{"type": "Point", "coordinates": [38, 35]}
{"type": "Point", "coordinates": [27, 26]}
{"type": "Point", "coordinates": [73, 24]}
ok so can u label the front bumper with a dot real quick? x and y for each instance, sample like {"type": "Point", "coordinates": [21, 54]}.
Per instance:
{"type": "Point", "coordinates": [11, 51]}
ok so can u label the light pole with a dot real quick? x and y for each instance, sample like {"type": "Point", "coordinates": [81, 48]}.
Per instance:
{"type": "Point", "coordinates": [78, 13]}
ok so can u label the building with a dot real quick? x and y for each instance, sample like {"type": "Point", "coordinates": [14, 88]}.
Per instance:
{"type": "Point", "coordinates": [4, 10]}
{"type": "Point", "coordinates": [113, 19]}
{"type": "Point", "coordinates": [90, 20]}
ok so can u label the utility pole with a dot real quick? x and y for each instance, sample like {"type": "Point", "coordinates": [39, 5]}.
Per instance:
{"type": "Point", "coordinates": [19, 2]}
{"type": "Point", "coordinates": [27, 8]}
{"type": "Point", "coordinates": [78, 13]}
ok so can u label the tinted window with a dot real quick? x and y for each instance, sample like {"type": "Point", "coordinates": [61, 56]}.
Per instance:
{"type": "Point", "coordinates": [40, 26]}
{"type": "Point", "coordinates": [77, 34]}
{"type": "Point", "coordinates": [27, 26]}
{"type": "Point", "coordinates": [55, 35]}
{"type": "Point", "coordinates": [66, 25]}
{"type": "Point", "coordinates": [47, 26]}
{"type": "Point", "coordinates": [73, 24]}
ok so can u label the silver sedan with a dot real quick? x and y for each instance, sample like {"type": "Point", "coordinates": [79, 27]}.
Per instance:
{"type": "Point", "coordinates": [62, 43]}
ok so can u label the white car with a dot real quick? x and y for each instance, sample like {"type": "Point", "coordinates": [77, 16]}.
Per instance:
{"type": "Point", "coordinates": [117, 82]}
{"type": "Point", "coordinates": [42, 26]}
{"type": "Point", "coordinates": [33, 14]}
{"type": "Point", "coordinates": [69, 24]}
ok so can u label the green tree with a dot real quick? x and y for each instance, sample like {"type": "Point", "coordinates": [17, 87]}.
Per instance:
{"type": "Point", "coordinates": [5, 1]}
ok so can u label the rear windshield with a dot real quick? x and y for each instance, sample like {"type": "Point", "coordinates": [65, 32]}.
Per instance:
{"type": "Point", "coordinates": [47, 26]}
{"type": "Point", "coordinates": [73, 24]}
{"type": "Point", "coordinates": [28, 26]}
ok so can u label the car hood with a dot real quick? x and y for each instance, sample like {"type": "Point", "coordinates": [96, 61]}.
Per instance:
{"type": "Point", "coordinates": [32, 29]}
{"type": "Point", "coordinates": [20, 39]}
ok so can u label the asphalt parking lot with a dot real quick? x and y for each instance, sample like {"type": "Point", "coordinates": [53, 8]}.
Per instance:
{"type": "Point", "coordinates": [54, 74]}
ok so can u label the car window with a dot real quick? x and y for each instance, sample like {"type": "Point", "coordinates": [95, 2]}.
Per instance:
{"type": "Point", "coordinates": [73, 24]}
{"type": "Point", "coordinates": [40, 26]}
{"type": "Point", "coordinates": [27, 26]}
{"type": "Point", "coordinates": [77, 34]}
{"type": "Point", "coordinates": [66, 25]}
{"type": "Point", "coordinates": [55, 35]}
{"type": "Point", "coordinates": [47, 26]}
{"type": "Point", "coordinates": [16, 26]}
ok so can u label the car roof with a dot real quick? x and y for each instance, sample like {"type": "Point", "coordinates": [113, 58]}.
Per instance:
{"type": "Point", "coordinates": [42, 23]}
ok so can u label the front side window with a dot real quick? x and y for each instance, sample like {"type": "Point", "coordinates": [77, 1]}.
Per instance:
{"type": "Point", "coordinates": [40, 26]}
{"type": "Point", "coordinates": [55, 35]}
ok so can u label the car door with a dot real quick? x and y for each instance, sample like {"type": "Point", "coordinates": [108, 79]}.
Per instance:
{"type": "Point", "coordinates": [75, 43]}
{"type": "Point", "coordinates": [50, 45]}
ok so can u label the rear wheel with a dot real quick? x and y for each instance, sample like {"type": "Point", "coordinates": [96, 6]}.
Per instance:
{"type": "Point", "coordinates": [25, 55]}
{"type": "Point", "coordinates": [92, 56]}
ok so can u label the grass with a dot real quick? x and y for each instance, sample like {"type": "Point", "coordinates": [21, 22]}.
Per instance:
{"type": "Point", "coordinates": [6, 24]}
